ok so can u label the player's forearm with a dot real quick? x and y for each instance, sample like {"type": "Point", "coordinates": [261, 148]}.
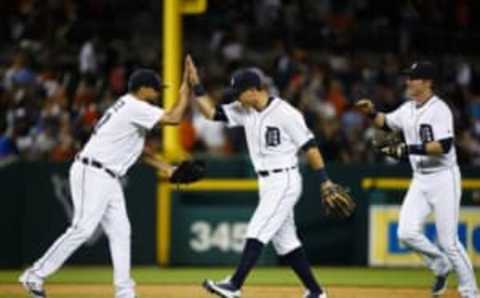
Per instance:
{"type": "Point", "coordinates": [164, 168]}
{"type": "Point", "coordinates": [433, 148]}
{"type": "Point", "coordinates": [316, 162]}
{"type": "Point", "coordinates": [379, 120]}
{"type": "Point", "coordinates": [175, 114]}
{"type": "Point", "coordinates": [205, 106]}
{"type": "Point", "coordinates": [315, 158]}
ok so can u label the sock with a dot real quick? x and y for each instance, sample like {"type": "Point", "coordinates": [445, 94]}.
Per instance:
{"type": "Point", "coordinates": [297, 259]}
{"type": "Point", "coordinates": [251, 253]}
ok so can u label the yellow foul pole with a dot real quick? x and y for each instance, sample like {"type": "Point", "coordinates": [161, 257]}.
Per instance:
{"type": "Point", "coordinates": [172, 52]}
{"type": "Point", "coordinates": [172, 150]}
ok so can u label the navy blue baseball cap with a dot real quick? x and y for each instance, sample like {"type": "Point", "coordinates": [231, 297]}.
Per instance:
{"type": "Point", "coordinates": [242, 80]}
{"type": "Point", "coordinates": [144, 78]}
{"type": "Point", "coordinates": [421, 70]}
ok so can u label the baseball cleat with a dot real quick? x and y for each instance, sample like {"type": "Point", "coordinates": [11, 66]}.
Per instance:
{"type": "Point", "coordinates": [33, 284]}
{"type": "Point", "coordinates": [313, 295]}
{"type": "Point", "coordinates": [223, 288]}
{"type": "Point", "coordinates": [440, 285]}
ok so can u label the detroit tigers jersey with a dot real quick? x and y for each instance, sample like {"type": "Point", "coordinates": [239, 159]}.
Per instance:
{"type": "Point", "coordinates": [274, 135]}
{"type": "Point", "coordinates": [431, 121]}
{"type": "Point", "coordinates": [119, 136]}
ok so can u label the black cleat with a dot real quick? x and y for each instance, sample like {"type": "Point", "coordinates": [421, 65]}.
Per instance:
{"type": "Point", "coordinates": [223, 288]}
{"type": "Point", "coordinates": [440, 285]}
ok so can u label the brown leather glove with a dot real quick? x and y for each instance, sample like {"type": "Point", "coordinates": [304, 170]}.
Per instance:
{"type": "Point", "coordinates": [188, 171]}
{"type": "Point", "coordinates": [337, 201]}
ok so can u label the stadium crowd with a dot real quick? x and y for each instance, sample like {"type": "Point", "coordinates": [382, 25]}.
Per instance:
{"type": "Point", "coordinates": [62, 64]}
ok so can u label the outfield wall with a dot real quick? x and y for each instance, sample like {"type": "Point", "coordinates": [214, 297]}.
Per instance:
{"type": "Point", "coordinates": [204, 224]}
{"type": "Point", "coordinates": [36, 209]}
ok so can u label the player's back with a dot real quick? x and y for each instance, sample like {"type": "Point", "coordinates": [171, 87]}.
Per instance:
{"type": "Point", "coordinates": [119, 136]}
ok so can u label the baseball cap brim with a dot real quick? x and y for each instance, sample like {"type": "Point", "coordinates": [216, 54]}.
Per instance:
{"type": "Point", "coordinates": [406, 72]}
{"type": "Point", "coordinates": [413, 75]}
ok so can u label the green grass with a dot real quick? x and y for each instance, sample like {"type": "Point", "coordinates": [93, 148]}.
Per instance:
{"type": "Point", "coordinates": [334, 276]}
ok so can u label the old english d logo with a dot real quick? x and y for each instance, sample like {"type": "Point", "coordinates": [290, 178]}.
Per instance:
{"type": "Point", "coordinates": [426, 133]}
{"type": "Point", "coordinates": [272, 136]}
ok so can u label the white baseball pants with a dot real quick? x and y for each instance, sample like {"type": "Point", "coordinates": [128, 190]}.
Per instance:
{"type": "Point", "coordinates": [440, 193]}
{"type": "Point", "coordinates": [97, 198]}
{"type": "Point", "coordinates": [274, 216]}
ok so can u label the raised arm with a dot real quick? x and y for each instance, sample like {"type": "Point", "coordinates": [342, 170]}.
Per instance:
{"type": "Point", "coordinates": [367, 107]}
{"type": "Point", "coordinates": [204, 103]}
{"type": "Point", "coordinates": [175, 114]}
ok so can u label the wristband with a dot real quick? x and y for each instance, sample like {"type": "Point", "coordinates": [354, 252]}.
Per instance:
{"type": "Point", "coordinates": [417, 149]}
{"type": "Point", "coordinates": [199, 90]}
{"type": "Point", "coordinates": [322, 175]}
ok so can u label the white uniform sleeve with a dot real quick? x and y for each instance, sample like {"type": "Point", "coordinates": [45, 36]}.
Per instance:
{"type": "Point", "coordinates": [145, 114]}
{"type": "Point", "coordinates": [394, 120]}
{"type": "Point", "coordinates": [235, 114]}
{"type": "Point", "coordinates": [442, 123]}
{"type": "Point", "coordinates": [296, 128]}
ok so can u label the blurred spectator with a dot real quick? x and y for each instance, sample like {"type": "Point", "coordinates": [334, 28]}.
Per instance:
{"type": "Point", "coordinates": [19, 73]}
{"type": "Point", "coordinates": [64, 149]}
{"type": "Point", "coordinates": [57, 75]}
{"type": "Point", "coordinates": [87, 60]}
{"type": "Point", "coordinates": [7, 146]}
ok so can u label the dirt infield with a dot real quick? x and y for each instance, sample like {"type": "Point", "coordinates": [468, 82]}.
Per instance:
{"type": "Point", "coordinates": [193, 291]}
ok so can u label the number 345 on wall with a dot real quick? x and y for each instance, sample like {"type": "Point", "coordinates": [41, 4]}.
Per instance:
{"type": "Point", "coordinates": [225, 236]}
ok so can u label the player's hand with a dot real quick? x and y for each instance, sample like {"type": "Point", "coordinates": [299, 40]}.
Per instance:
{"type": "Point", "coordinates": [165, 169]}
{"type": "Point", "coordinates": [185, 87]}
{"type": "Point", "coordinates": [326, 184]}
{"type": "Point", "coordinates": [193, 77]}
{"type": "Point", "coordinates": [365, 106]}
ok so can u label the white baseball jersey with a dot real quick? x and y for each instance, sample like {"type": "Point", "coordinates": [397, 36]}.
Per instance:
{"type": "Point", "coordinates": [436, 187]}
{"type": "Point", "coordinates": [432, 121]}
{"type": "Point", "coordinates": [116, 142]}
{"type": "Point", "coordinates": [274, 135]}
{"type": "Point", "coordinates": [119, 136]}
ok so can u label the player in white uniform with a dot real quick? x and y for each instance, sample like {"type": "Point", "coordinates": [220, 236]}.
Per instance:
{"type": "Point", "coordinates": [427, 126]}
{"type": "Point", "coordinates": [115, 144]}
{"type": "Point", "coordinates": [275, 133]}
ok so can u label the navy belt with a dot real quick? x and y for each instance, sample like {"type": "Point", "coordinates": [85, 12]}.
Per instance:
{"type": "Point", "coordinates": [96, 164]}
{"type": "Point", "coordinates": [266, 173]}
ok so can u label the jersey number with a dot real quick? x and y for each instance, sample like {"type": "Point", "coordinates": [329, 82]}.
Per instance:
{"type": "Point", "coordinates": [108, 114]}
{"type": "Point", "coordinates": [272, 136]}
{"type": "Point", "coordinates": [426, 133]}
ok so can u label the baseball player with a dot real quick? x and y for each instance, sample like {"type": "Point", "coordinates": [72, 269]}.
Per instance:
{"type": "Point", "coordinates": [115, 144]}
{"type": "Point", "coordinates": [427, 126]}
{"type": "Point", "coordinates": [275, 132]}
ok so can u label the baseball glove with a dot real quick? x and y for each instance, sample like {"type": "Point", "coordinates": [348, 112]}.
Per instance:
{"type": "Point", "coordinates": [337, 201]}
{"type": "Point", "coordinates": [188, 171]}
{"type": "Point", "coordinates": [397, 151]}
{"type": "Point", "coordinates": [390, 144]}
